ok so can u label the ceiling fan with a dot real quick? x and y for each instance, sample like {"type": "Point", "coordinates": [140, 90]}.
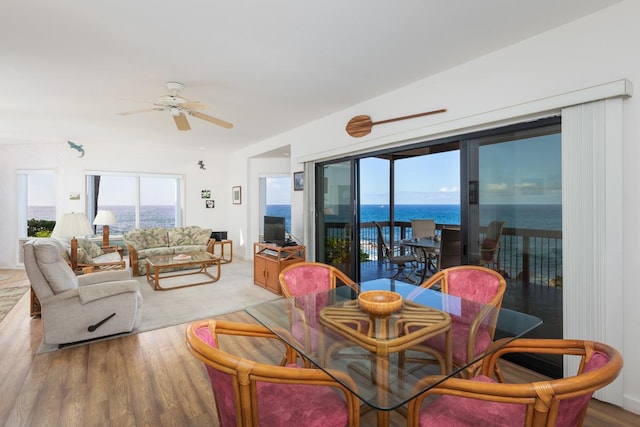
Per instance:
{"type": "Point", "coordinates": [179, 107]}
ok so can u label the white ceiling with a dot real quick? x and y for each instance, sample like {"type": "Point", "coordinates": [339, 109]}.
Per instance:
{"type": "Point", "coordinates": [68, 66]}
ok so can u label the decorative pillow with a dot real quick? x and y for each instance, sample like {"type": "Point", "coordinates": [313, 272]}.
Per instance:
{"type": "Point", "coordinates": [83, 257]}
{"type": "Point", "coordinates": [91, 249]}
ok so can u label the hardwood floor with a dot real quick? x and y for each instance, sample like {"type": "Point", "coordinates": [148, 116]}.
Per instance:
{"type": "Point", "coordinates": [144, 379]}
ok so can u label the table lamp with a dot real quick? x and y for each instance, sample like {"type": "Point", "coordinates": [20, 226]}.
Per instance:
{"type": "Point", "coordinates": [72, 225]}
{"type": "Point", "coordinates": [105, 219]}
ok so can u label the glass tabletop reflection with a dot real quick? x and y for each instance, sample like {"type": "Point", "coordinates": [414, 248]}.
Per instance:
{"type": "Point", "coordinates": [332, 331]}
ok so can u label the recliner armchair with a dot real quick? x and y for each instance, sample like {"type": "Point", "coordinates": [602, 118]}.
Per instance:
{"type": "Point", "coordinates": [78, 308]}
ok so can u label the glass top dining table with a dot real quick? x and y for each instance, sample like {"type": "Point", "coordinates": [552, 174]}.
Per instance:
{"type": "Point", "coordinates": [333, 332]}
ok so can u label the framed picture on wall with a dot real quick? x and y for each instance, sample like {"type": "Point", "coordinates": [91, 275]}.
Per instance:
{"type": "Point", "coordinates": [298, 181]}
{"type": "Point", "coordinates": [236, 194]}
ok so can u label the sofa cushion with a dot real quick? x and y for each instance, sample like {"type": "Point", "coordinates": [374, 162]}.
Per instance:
{"type": "Point", "coordinates": [143, 238]}
{"type": "Point", "coordinates": [192, 235]}
{"type": "Point", "coordinates": [108, 257]}
{"type": "Point", "coordinates": [54, 269]}
{"type": "Point", "coordinates": [189, 248]}
{"type": "Point", "coordinates": [146, 253]}
{"type": "Point", "coordinates": [155, 238]}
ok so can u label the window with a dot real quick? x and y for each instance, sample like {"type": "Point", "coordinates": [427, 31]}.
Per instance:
{"type": "Point", "coordinates": [137, 200]}
{"type": "Point", "coordinates": [36, 198]}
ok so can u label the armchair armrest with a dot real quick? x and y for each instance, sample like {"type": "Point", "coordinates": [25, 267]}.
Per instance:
{"type": "Point", "coordinates": [104, 290]}
{"type": "Point", "coordinates": [210, 245]}
{"type": "Point", "coordinates": [103, 276]}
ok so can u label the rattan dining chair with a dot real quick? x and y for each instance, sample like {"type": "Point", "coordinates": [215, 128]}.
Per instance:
{"type": "Point", "coordinates": [252, 393]}
{"type": "Point", "coordinates": [483, 401]}
{"type": "Point", "coordinates": [425, 228]}
{"type": "Point", "coordinates": [481, 290]}
{"type": "Point", "coordinates": [403, 265]}
{"type": "Point", "coordinates": [305, 281]}
{"type": "Point", "coordinates": [490, 246]}
{"type": "Point", "coordinates": [450, 253]}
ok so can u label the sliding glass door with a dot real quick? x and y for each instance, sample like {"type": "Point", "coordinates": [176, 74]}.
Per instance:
{"type": "Point", "coordinates": [337, 242]}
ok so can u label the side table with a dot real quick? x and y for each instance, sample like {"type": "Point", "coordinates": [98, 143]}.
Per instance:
{"type": "Point", "coordinates": [221, 244]}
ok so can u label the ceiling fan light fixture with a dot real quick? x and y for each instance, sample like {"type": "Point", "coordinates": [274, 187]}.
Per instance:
{"type": "Point", "coordinates": [174, 111]}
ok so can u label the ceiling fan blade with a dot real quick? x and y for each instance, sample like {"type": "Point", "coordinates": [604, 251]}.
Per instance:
{"type": "Point", "coordinates": [126, 113]}
{"type": "Point", "coordinates": [193, 105]}
{"type": "Point", "coordinates": [181, 122]}
{"type": "Point", "coordinates": [210, 119]}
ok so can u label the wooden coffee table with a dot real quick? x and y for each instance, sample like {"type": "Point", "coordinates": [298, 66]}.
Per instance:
{"type": "Point", "coordinates": [158, 263]}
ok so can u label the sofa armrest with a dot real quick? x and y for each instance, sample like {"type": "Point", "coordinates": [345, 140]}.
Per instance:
{"type": "Point", "coordinates": [103, 276]}
{"type": "Point", "coordinates": [210, 245]}
{"type": "Point", "coordinates": [104, 290]}
{"type": "Point", "coordinates": [133, 258]}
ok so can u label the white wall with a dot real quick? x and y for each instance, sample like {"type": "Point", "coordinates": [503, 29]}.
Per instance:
{"type": "Point", "coordinates": [597, 49]}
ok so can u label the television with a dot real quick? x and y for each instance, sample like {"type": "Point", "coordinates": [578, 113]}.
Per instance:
{"type": "Point", "coordinates": [274, 230]}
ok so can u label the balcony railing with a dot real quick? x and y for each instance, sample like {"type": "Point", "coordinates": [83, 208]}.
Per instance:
{"type": "Point", "coordinates": [527, 255]}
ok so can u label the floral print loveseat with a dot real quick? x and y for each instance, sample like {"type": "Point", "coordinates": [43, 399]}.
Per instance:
{"type": "Point", "coordinates": [145, 242]}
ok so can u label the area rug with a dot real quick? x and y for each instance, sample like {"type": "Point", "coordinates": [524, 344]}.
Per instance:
{"type": "Point", "coordinates": [234, 291]}
{"type": "Point", "coordinates": [9, 297]}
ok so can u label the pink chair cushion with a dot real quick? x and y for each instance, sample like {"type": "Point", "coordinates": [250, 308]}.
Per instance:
{"type": "Point", "coordinates": [221, 384]}
{"type": "Point", "coordinates": [278, 404]}
{"type": "Point", "coordinates": [300, 405]}
{"type": "Point", "coordinates": [477, 288]}
{"type": "Point", "coordinates": [459, 338]}
{"type": "Point", "coordinates": [453, 411]}
{"type": "Point", "coordinates": [570, 410]}
{"type": "Point", "coordinates": [307, 279]}
{"type": "Point", "coordinates": [473, 285]}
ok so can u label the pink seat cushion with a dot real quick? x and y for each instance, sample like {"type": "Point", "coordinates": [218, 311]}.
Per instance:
{"type": "Point", "coordinates": [571, 409]}
{"type": "Point", "coordinates": [300, 405]}
{"type": "Point", "coordinates": [453, 411]}
{"type": "Point", "coordinates": [474, 285]}
{"type": "Point", "coordinates": [307, 279]}
{"type": "Point", "coordinates": [278, 404]}
{"type": "Point", "coordinates": [459, 338]}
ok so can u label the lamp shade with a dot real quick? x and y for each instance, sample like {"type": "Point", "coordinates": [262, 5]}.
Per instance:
{"type": "Point", "coordinates": [104, 218]}
{"type": "Point", "coordinates": [72, 225]}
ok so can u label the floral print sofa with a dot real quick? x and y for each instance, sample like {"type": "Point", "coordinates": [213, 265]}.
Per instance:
{"type": "Point", "coordinates": [145, 242]}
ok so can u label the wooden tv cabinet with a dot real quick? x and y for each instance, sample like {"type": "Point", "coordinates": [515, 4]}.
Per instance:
{"type": "Point", "coordinates": [269, 260]}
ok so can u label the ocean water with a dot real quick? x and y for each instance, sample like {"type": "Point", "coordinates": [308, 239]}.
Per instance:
{"type": "Point", "coordinates": [543, 217]}
{"type": "Point", "coordinates": [150, 216]}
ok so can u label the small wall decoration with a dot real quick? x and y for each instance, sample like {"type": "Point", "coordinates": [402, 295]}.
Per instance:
{"type": "Point", "coordinates": [206, 194]}
{"type": "Point", "coordinates": [236, 193]}
{"type": "Point", "coordinates": [201, 164]}
{"type": "Point", "coordinates": [76, 147]}
{"type": "Point", "coordinates": [298, 181]}
{"type": "Point", "coordinates": [210, 204]}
